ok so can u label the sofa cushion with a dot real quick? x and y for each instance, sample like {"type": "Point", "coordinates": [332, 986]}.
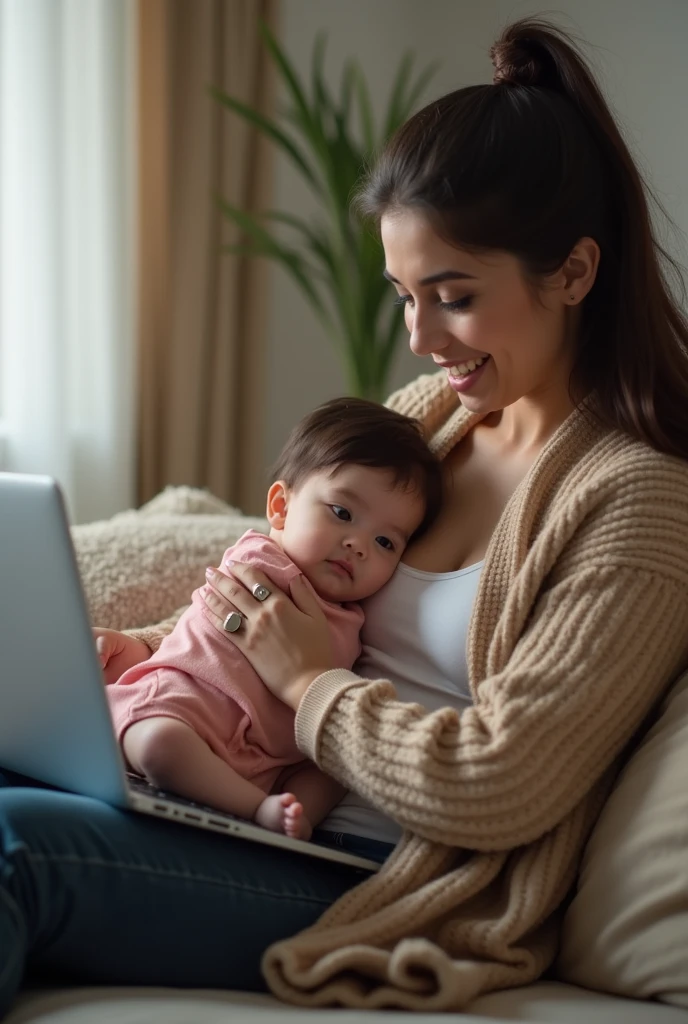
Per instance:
{"type": "Point", "coordinates": [546, 1002]}
{"type": "Point", "coordinates": [626, 930]}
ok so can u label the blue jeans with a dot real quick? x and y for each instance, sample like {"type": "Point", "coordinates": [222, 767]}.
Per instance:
{"type": "Point", "coordinates": [91, 894]}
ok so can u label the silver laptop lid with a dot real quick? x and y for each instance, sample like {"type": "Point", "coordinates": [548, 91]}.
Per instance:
{"type": "Point", "coordinates": [54, 719]}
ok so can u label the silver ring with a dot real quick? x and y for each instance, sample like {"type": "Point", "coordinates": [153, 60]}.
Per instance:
{"type": "Point", "coordinates": [260, 592]}
{"type": "Point", "coordinates": [233, 622]}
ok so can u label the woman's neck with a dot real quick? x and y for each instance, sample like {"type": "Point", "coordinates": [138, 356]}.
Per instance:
{"type": "Point", "coordinates": [528, 424]}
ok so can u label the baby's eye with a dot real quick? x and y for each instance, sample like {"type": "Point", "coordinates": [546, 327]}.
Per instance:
{"type": "Point", "coordinates": [385, 542]}
{"type": "Point", "coordinates": [341, 513]}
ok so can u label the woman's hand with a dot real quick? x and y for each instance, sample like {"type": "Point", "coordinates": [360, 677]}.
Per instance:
{"type": "Point", "coordinates": [118, 652]}
{"type": "Point", "coordinates": [285, 639]}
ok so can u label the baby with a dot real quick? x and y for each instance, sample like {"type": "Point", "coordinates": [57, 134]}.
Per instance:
{"type": "Point", "coordinates": [354, 483]}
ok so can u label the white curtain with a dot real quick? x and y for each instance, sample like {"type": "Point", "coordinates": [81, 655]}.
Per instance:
{"type": "Point", "coordinates": [67, 277]}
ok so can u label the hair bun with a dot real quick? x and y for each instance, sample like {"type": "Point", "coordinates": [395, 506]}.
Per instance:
{"type": "Point", "coordinates": [526, 54]}
{"type": "Point", "coordinates": [515, 62]}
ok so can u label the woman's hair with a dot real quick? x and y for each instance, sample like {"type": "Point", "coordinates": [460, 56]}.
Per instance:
{"type": "Point", "coordinates": [529, 165]}
{"type": "Point", "coordinates": [355, 431]}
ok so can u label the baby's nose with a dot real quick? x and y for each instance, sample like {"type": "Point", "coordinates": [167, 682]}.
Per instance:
{"type": "Point", "coordinates": [355, 545]}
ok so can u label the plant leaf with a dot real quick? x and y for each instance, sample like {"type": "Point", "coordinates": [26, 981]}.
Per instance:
{"type": "Point", "coordinates": [270, 129]}
{"type": "Point", "coordinates": [335, 261]}
{"type": "Point", "coordinates": [304, 117]}
{"type": "Point", "coordinates": [346, 92]}
{"type": "Point", "coordinates": [269, 246]}
{"type": "Point", "coordinates": [315, 240]}
{"type": "Point", "coordinates": [364, 108]}
{"type": "Point", "coordinates": [396, 102]}
{"type": "Point", "coordinates": [322, 103]}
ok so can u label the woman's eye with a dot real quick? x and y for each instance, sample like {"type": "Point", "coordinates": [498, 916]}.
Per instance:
{"type": "Point", "coordinates": [341, 513]}
{"type": "Point", "coordinates": [458, 304]}
{"type": "Point", "coordinates": [455, 306]}
{"type": "Point", "coordinates": [385, 542]}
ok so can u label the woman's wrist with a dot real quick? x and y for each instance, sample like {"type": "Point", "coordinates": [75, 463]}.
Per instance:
{"type": "Point", "coordinates": [296, 691]}
{"type": "Point", "coordinates": [316, 704]}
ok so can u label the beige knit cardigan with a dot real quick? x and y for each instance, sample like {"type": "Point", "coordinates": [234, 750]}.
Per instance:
{"type": "Point", "coordinates": [579, 624]}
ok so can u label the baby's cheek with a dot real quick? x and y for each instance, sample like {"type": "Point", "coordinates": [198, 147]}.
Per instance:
{"type": "Point", "coordinates": [386, 576]}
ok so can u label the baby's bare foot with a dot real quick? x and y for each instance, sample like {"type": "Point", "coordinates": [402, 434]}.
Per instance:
{"type": "Point", "coordinates": [296, 824]}
{"type": "Point", "coordinates": [283, 813]}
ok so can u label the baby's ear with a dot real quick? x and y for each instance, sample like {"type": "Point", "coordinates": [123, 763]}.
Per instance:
{"type": "Point", "coordinates": [276, 510]}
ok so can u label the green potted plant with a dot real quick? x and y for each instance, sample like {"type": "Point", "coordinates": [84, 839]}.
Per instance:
{"type": "Point", "coordinates": [336, 261]}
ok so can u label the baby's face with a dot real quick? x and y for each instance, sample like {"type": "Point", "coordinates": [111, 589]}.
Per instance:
{"type": "Point", "coordinates": [347, 529]}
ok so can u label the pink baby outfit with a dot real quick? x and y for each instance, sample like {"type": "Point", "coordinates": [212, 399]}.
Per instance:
{"type": "Point", "coordinates": [199, 677]}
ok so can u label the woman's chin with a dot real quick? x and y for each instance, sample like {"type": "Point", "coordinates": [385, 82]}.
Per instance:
{"type": "Point", "coordinates": [482, 404]}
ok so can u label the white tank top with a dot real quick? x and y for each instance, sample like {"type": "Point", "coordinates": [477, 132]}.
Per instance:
{"type": "Point", "coordinates": [415, 635]}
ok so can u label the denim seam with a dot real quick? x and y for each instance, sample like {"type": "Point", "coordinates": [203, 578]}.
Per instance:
{"type": "Point", "coordinates": [15, 913]}
{"type": "Point", "coordinates": [186, 876]}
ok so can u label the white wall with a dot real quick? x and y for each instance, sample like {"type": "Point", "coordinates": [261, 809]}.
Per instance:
{"type": "Point", "coordinates": [638, 48]}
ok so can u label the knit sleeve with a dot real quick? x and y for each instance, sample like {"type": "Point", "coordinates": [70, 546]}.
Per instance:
{"type": "Point", "coordinates": [599, 648]}
{"type": "Point", "coordinates": [153, 636]}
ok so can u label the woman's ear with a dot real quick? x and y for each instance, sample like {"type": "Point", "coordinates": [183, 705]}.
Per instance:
{"type": "Point", "coordinates": [276, 510]}
{"type": "Point", "coordinates": [577, 276]}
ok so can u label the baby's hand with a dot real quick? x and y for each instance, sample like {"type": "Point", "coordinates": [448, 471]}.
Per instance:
{"type": "Point", "coordinates": [118, 652]}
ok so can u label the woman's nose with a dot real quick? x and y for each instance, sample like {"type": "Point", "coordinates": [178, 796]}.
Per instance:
{"type": "Point", "coordinates": [424, 337]}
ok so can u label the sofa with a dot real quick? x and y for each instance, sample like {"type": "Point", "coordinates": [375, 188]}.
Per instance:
{"type": "Point", "coordinates": [623, 956]}
{"type": "Point", "coordinates": [545, 1002]}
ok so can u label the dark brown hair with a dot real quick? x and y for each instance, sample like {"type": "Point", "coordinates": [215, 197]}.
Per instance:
{"type": "Point", "coordinates": [362, 433]}
{"type": "Point", "coordinates": [529, 165]}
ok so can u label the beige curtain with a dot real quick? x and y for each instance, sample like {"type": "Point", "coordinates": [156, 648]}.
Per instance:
{"type": "Point", "coordinates": [200, 311]}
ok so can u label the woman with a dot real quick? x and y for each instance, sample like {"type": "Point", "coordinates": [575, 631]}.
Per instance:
{"type": "Point", "coordinates": [517, 236]}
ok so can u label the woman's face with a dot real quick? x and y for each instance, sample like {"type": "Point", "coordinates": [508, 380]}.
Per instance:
{"type": "Point", "coordinates": [477, 317]}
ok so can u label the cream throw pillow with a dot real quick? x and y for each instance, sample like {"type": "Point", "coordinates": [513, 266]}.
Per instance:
{"type": "Point", "coordinates": [626, 930]}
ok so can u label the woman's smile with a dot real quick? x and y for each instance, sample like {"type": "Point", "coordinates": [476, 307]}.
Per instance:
{"type": "Point", "coordinates": [463, 376]}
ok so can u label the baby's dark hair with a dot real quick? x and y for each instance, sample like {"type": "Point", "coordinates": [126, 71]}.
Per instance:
{"type": "Point", "coordinates": [363, 433]}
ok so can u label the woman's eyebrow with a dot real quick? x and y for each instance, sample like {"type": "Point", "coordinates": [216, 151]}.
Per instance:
{"type": "Point", "coordinates": [444, 275]}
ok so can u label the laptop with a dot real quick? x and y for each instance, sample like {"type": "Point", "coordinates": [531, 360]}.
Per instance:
{"type": "Point", "coordinates": [55, 723]}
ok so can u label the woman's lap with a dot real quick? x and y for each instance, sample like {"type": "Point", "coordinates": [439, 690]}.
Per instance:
{"type": "Point", "coordinates": [99, 895]}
